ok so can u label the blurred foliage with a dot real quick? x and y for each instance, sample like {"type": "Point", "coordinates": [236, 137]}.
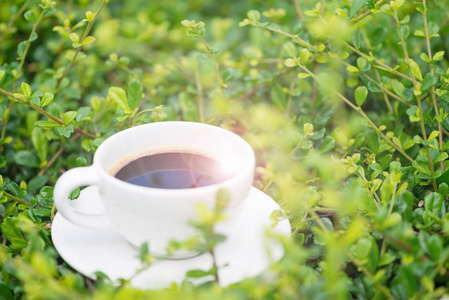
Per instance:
{"type": "Point", "coordinates": [344, 102]}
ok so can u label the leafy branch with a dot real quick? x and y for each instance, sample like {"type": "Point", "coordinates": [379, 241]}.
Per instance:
{"type": "Point", "coordinates": [43, 112]}
{"type": "Point", "coordinates": [91, 17]}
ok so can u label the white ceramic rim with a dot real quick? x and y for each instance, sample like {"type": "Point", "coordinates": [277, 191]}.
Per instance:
{"type": "Point", "coordinates": [247, 170]}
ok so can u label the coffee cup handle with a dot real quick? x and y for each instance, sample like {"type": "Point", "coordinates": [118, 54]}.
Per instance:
{"type": "Point", "coordinates": [70, 180]}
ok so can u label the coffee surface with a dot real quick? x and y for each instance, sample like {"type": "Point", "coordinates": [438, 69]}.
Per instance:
{"type": "Point", "coordinates": [172, 171]}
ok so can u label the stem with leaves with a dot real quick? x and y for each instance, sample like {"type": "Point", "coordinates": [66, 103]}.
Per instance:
{"type": "Point", "coordinates": [418, 97]}
{"type": "Point", "coordinates": [77, 51]}
{"type": "Point", "coordinates": [19, 70]}
{"type": "Point", "coordinates": [366, 12]}
{"type": "Point", "coordinates": [16, 198]}
{"type": "Point", "coordinates": [43, 112]}
{"type": "Point", "coordinates": [432, 90]}
{"type": "Point", "coordinates": [298, 10]}
{"type": "Point", "coordinates": [362, 113]}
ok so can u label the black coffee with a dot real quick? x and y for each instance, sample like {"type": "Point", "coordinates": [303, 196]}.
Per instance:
{"type": "Point", "coordinates": [172, 171]}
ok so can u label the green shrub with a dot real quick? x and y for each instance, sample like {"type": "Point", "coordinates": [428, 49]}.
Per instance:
{"type": "Point", "coordinates": [344, 102]}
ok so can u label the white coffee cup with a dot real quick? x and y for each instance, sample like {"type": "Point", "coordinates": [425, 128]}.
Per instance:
{"type": "Point", "coordinates": [154, 215]}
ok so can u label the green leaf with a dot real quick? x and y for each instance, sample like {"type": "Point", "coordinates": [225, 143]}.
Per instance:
{"type": "Point", "coordinates": [433, 28]}
{"type": "Point", "coordinates": [21, 48]}
{"type": "Point", "coordinates": [26, 158]}
{"type": "Point", "coordinates": [2, 74]}
{"type": "Point", "coordinates": [135, 91]}
{"type": "Point", "coordinates": [290, 62]}
{"type": "Point", "coordinates": [438, 56]}
{"type": "Point", "coordinates": [143, 252]}
{"type": "Point", "coordinates": [352, 69]}
{"type": "Point", "coordinates": [83, 114]}
{"type": "Point", "coordinates": [33, 37]}
{"type": "Point", "coordinates": [303, 75]}
{"type": "Point", "coordinates": [366, 250]}
{"type": "Point", "coordinates": [433, 135]}
{"type": "Point", "coordinates": [30, 16]}
{"type": "Point", "coordinates": [357, 39]}
{"type": "Point", "coordinates": [197, 273]}
{"type": "Point", "coordinates": [433, 203]}
{"type": "Point", "coordinates": [88, 40]}
{"type": "Point", "coordinates": [5, 291]}
{"type": "Point", "coordinates": [304, 56]}
{"type": "Point", "coordinates": [47, 99]}
{"type": "Point", "coordinates": [341, 13]}
{"type": "Point", "coordinates": [254, 15]}
{"type": "Point", "coordinates": [360, 95]}
{"type": "Point", "coordinates": [37, 182]}
{"type": "Point", "coordinates": [289, 49]}
{"type": "Point", "coordinates": [430, 81]}
{"type": "Point", "coordinates": [442, 157]}
{"type": "Point", "coordinates": [47, 124]}
{"type": "Point", "coordinates": [228, 74]}
{"type": "Point", "coordinates": [355, 7]}
{"type": "Point", "coordinates": [40, 143]}
{"type": "Point", "coordinates": [361, 62]}
{"type": "Point", "coordinates": [425, 58]}
{"type": "Point", "coordinates": [435, 246]}
{"type": "Point", "coordinates": [26, 89]}
{"type": "Point", "coordinates": [13, 233]}
{"type": "Point", "coordinates": [398, 87]}
{"type": "Point", "coordinates": [68, 117]}
{"type": "Point", "coordinates": [278, 96]}
{"type": "Point", "coordinates": [66, 131]}
{"type": "Point", "coordinates": [415, 69]}
{"type": "Point", "coordinates": [374, 88]}
{"type": "Point", "coordinates": [118, 95]}
{"type": "Point", "coordinates": [75, 194]}
{"type": "Point", "coordinates": [74, 38]}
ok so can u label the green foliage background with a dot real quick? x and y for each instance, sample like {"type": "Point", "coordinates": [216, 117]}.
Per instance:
{"type": "Point", "coordinates": [344, 102]}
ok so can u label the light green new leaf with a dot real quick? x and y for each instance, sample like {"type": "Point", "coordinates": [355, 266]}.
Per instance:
{"type": "Point", "coordinates": [228, 74]}
{"type": "Point", "coordinates": [433, 135]}
{"type": "Point", "coordinates": [398, 87]}
{"type": "Point", "coordinates": [118, 95]}
{"type": "Point", "coordinates": [135, 91]}
{"type": "Point", "coordinates": [352, 69]}
{"type": "Point", "coordinates": [68, 117]}
{"type": "Point", "coordinates": [40, 142]}
{"type": "Point", "coordinates": [26, 89]}
{"type": "Point", "coordinates": [438, 56]}
{"type": "Point", "coordinates": [304, 56]}
{"type": "Point", "coordinates": [2, 74]}
{"type": "Point", "coordinates": [360, 95]}
{"type": "Point", "coordinates": [47, 99]}
{"type": "Point", "coordinates": [415, 69]}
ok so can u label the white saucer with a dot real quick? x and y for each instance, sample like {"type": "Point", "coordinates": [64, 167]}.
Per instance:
{"type": "Point", "coordinates": [245, 253]}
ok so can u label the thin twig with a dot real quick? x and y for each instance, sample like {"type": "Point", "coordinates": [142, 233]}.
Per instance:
{"type": "Point", "coordinates": [86, 32]}
{"type": "Point", "coordinates": [432, 90]}
{"type": "Point", "coordinates": [298, 10]}
{"type": "Point", "coordinates": [418, 99]}
{"type": "Point", "coordinates": [16, 198]}
{"type": "Point", "coordinates": [366, 13]}
{"type": "Point", "coordinates": [377, 62]}
{"type": "Point", "coordinates": [48, 115]}
{"type": "Point", "coordinates": [199, 88]}
{"type": "Point", "coordinates": [56, 156]}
